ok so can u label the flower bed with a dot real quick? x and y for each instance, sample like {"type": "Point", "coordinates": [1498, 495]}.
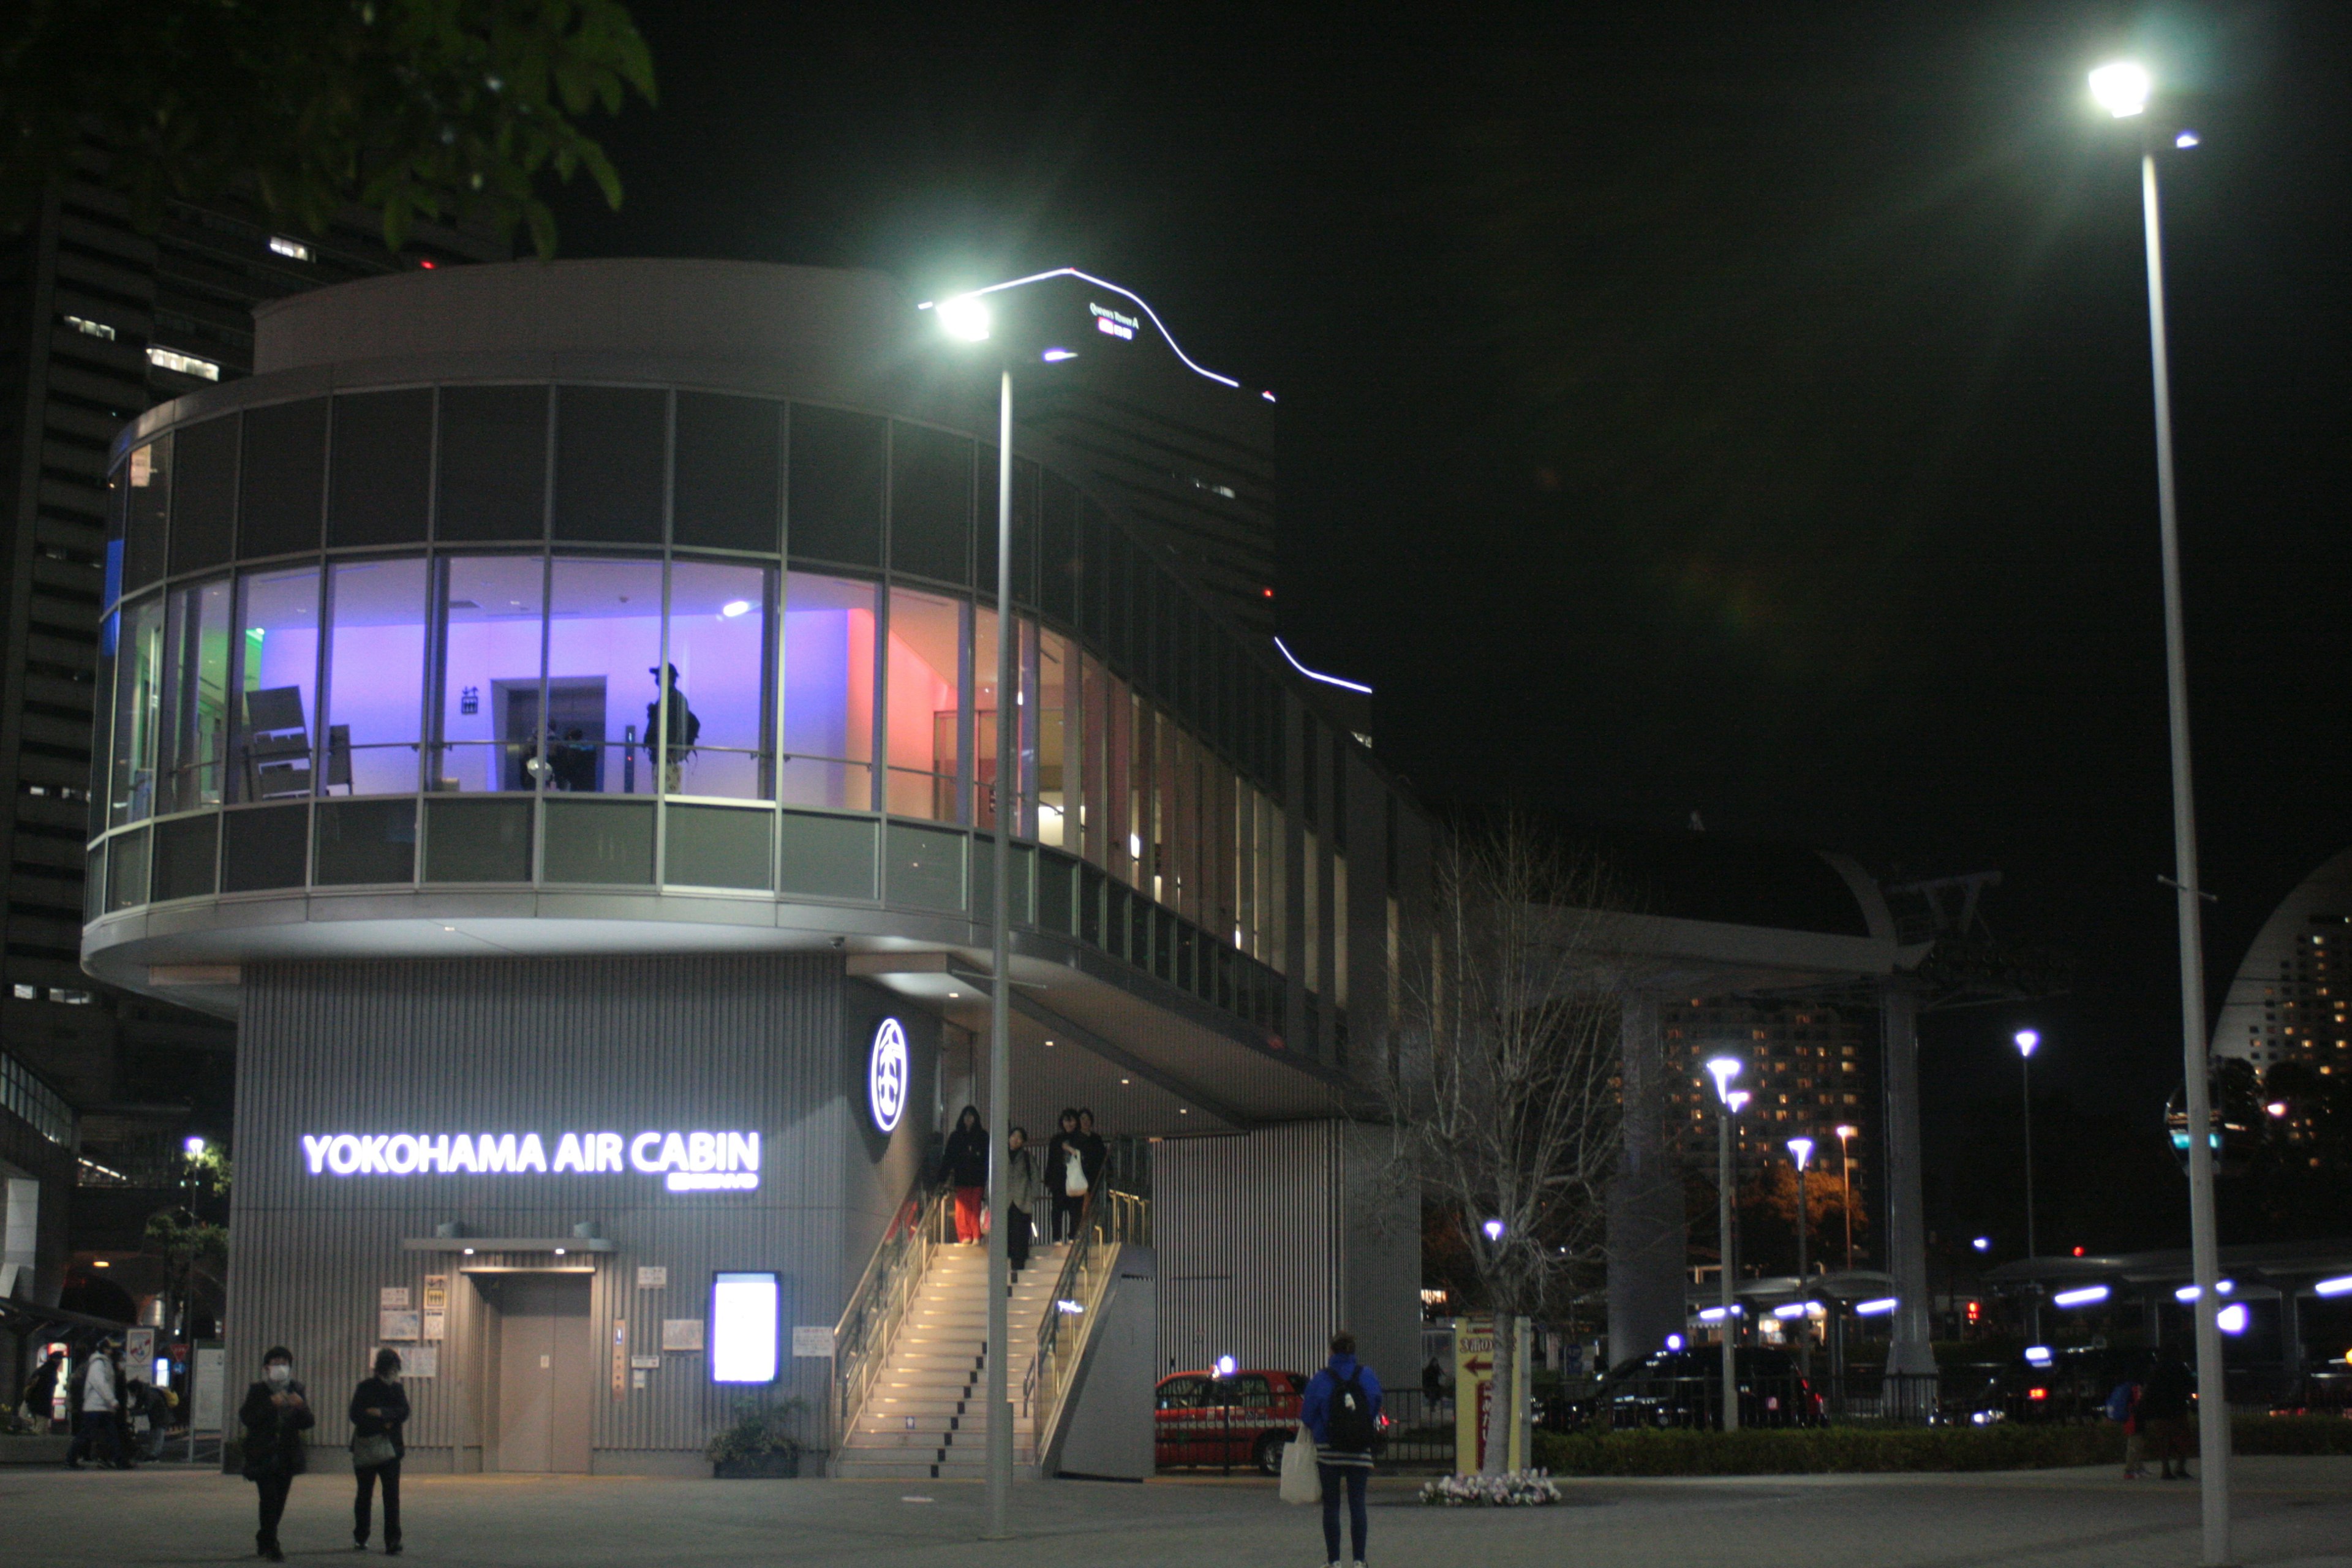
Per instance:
{"type": "Point", "coordinates": [1515, 1488]}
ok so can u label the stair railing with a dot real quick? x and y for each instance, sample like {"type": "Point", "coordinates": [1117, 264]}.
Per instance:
{"type": "Point", "coordinates": [861, 1340]}
{"type": "Point", "coordinates": [1109, 1220]}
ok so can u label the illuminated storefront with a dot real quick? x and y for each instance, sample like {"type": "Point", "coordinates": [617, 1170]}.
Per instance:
{"type": "Point", "coordinates": [553, 709]}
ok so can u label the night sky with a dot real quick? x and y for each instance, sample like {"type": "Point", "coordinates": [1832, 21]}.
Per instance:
{"type": "Point", "coordinates": [1688, 413]}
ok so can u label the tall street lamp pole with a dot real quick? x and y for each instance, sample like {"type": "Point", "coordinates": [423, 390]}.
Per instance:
{"type": "Point", "coordinates": [1801, 1152]}
{"type": "Point", "coordinates": [1723, 1070]}
{"type": "Point", "coordinates": [969, 318]}
{"type": "Point", "coordinates": [2026, 1040]}
{"type": "Point", "coordinates": [1845, 1187]}
{"type": "Point", "coordinates": [2123, 89]}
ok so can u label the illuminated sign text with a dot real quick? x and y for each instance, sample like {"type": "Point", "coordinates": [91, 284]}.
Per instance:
{"type": "Point", "coordinates": [688, 1161]}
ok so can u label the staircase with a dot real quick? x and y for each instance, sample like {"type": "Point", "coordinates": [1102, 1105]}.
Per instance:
{"type": "Point", "coordinates": [925, 1415]}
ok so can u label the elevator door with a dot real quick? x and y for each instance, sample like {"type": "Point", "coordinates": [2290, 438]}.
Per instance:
{"type": "Point", "coordinates": [546, 1374]}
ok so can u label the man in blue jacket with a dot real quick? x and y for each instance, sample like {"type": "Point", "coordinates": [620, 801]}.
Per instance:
{"type": "Point", "coordinates": [1341, 1411]}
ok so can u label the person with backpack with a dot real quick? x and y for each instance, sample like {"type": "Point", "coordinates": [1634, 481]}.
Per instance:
{"type": "Point", "coordinates": [685, 727]}
{"type": "Point", "coordinates": [2163, 1413]}
{"type": "Point", "coordinates": [1341, 1411]}
{"type": "Point", "coordinates": [97, 1405]}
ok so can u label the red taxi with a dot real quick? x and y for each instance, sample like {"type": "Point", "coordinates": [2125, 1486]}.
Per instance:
{"type": "Point", "coordinates": [1241, 1419]}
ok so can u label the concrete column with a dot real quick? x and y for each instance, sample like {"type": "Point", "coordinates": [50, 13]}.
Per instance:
{"type": "Point", "coordinates": [1646, 1241]}
{"type": "Point", "coordinates": [1911, 1355]}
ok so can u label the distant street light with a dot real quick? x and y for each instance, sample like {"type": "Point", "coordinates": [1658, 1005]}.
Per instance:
{"type": "Point", "coordinates": [1845, 1180]}
{"type": "Point", "coordinates": [1800, 1151]}
{"type": "Point", "coordinates": [1494, 1230]}
{"type": "Point", "coordinates": [1982, 1244]}
{"type": "Point", "coordinates": [1723, 1070]}
{"type": "Point", "coordinates": [2123, 89]}
{"type": "Point", "coordinates": [196, 1147]}
{"type": "Point", "coordinates": [2026, 1040]}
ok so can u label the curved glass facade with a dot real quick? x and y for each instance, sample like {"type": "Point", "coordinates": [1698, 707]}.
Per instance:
{"type": "Point", "coordinates": [633, 637]}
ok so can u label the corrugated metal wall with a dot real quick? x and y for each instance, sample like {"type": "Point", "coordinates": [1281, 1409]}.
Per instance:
{"type": "Point", "coordinates": [1249, 1231]}
{"type": "Point", "coordinates": [767, 1043]}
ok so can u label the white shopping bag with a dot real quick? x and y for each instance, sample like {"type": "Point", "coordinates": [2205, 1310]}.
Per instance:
{"type": "Point", "coordinates": [1301, 1482]}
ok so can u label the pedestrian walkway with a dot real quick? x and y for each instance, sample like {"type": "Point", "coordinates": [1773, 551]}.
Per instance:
{"type": "Point", "coordinates": [2292, 1513]}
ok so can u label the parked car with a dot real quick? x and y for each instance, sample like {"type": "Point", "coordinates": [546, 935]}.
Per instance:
{"type": "Point", "coordinates": [2069, 1385]}
{"type": "Point", "coordinates": [2328, 1392]}
{"type": "Point", "coordinates": [1240, 1420]}
{"type": "Point", "coordinates": [1685, 1388]}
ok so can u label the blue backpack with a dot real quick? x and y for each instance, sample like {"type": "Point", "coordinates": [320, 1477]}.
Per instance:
{"type": "Point", "coordinates": [2119, 1403]}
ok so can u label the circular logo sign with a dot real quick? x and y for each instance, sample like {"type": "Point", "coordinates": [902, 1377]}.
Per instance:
{"type": "Point", "coordinates": [886, 1076]}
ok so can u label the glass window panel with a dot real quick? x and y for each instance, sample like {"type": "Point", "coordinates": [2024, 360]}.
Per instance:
{"type": "Point", "coordinates": [1095, 724]}
{"type": "Point", "coordinates": [486, 716]}
{"type": "Point", "coordinates": [1057, 689]}
{"type": "Point", "coordinates": [127, 870]}
{"type": "Point", "coordinates": [931, 504]}
{"type": "Point", "coordinates": [195, 696]}
{"type": "Point", "coordinates": [1024, 528]}
{"type": "Point", "coordinates": [925, 657]}
{"type": "Point", "coordinates": [719, 846]}
{"type": "Point", "coordinates": [985, 711]}
{"type": "Point", "coordinates": [479, 840]}
{"type": "Point", "coordinates": [277, 659]}
{"type": "Point", "coordinates": [1119, 754]}
{"type": "Point", "coordinates": [363, 841]}
{"type": "Point", "coordinates": [604, 688]}
{"type": "Point", "coordinates": [138, 710]}
{"type": "Point", "coordinates": [610, 447]}
{"type": "Point", "coordinates": [493, 481]}
{"type": "Point", "coordinates": [826, 857]}
{"type": "Point", "coordinates": [599, 841]}
{"type": "Point", "coordinates": [148, 509]}
{"type": "Point", "coordinates": [828, 675]}
{"type": "Point", "coordinates": [836, 487]}
{"type": "Point", "coordinates": [718, 616]}
{"type": "Point", "coordinates": [375, 678]}
{"type": "Point", "coordinates": [186, 852]}
{"type": "Point", "coordinates": [265, 848]}
{"type": "Point", "coordinates": [926, 868]}
{"type": "Point", "coordinates": [381, 489]}
{"type": "Point", "coordinates": [1024, 741]}
{"type": "Point", "coordinates": [1058, 549]}
{"type": "Point", "coordinates": [281, 482]}
{"type": "Point", "coordinates": [204, 494]}
{"type": "Point", "coordinates": [729, 489]}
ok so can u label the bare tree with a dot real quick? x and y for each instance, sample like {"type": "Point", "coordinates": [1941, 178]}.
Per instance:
{"type": "Point", "coordinates": [1501, 1082]}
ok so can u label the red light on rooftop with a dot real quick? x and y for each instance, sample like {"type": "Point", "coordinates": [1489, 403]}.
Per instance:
{"type": "Point", "coordinates": [2078, 1252]}
{"type": "Point", "coordinates": [1267, 592]}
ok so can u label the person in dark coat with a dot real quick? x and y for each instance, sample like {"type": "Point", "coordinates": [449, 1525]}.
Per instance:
{"type": "Point", "coordinates": [963, 1165]}
{"type": "Point", "coordinates": [40, 1395]}
{"type": "Point", "coordinates": [1062, 1159]}
{"type": "Point", "coordinates": [1341, 1411]}
{"type": "Point", "coordinates": [1024, 1191]}
{"type": "Point", "coordinates": [379, 1413]}
{"type": "Point", "coordinates": [2163, 1415]}
{"type": "Point", "coordinates": [274, 1415]}
{"type": "Point", "coordinates": [1093, 1151]}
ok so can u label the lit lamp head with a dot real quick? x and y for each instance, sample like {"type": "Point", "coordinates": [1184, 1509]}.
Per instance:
{"type": "Point", "coordinates": [2026, 1040]}
{"type": "Point", "coordinates": [1493, 1229]}
{"type": "Point", "coordinates": [1723, 1070]}
{"type": "Point", "coordinates": [2121, 89]}
{"type": "Point", "coordinates": [194, 1146]}
{"type": "Point", "coordinates": [966, 317]}
{"type": "Point", "coordinates": [1844, 1132]}
{"type": "Point", "coordinates": [1735, 1098]}
{"type": "Point", "coordinates": [1800, 1150]}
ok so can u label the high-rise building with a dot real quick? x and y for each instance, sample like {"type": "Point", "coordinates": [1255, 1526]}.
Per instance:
{"type": "Point", "coordinates": [2289, 1001]}
{"type": "Point", "coordinates": [99, 322]}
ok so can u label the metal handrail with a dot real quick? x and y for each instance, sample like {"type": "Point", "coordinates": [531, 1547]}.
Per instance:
{"type": "Point", "coordinates": [862, 1339]}
{"type": "Point", "coordinates": [1110, 1217]}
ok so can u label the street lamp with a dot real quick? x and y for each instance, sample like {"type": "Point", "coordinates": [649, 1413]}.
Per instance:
{"type": "Point", "coordinates": [970, 319]}
{"type": "Point", "coordinates": [2026, 1040]}
{"type": "Point", "coordinates": [1845, 1186]}
{"type": "Point", "coordinates": [1723, 1070]}
{"type": "Point", "coordinates": [1801, 1152]}
{"type": "Point", "coordinates": [2123, 89]}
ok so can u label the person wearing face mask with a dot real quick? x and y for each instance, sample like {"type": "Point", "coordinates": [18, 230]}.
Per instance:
{"type": "Point", "coordinates": [379, 1412]}
{"type": "Point", "coordinates": [274, 1415]}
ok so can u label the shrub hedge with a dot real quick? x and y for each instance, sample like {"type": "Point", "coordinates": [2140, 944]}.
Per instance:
{"type": "Point", "coordinates": [1852, 1450]}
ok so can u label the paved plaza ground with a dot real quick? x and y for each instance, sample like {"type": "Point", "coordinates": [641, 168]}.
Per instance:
{"type": "Point", "coordinates": [2291, 1511]}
